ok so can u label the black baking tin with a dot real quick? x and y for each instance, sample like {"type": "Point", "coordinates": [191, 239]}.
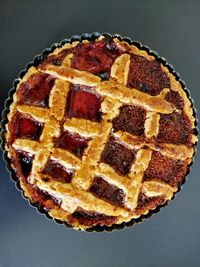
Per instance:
{"type": "Point", "coordinates": [37, 59]}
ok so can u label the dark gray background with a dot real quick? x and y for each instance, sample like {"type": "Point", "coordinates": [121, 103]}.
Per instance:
{"type": "Point", "coordinates": [172, 237]}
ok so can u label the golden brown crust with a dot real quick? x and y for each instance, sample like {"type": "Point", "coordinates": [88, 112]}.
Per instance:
{"type": "Point", "coordinates": [114, 94]}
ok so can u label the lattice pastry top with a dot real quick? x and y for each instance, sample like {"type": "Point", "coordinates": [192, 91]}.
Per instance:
{"type": "Point", "coordinates": [99, 133]}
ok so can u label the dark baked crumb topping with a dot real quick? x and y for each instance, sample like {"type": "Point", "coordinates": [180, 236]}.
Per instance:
{"type": "Point", "coordinates": [174, 128]}
{"type": "Point", "coordinates": [118, 156]}
{"type": "Point", "coordinates": [90, 218]}
{"type": "Point", "coordinates": [147, 76]}
{"type": "Point", "coordinates": [165, 169]}
{"type": "Point", "coordinates": [108, 192]}
{"type": "Point", "coordinates": [130, 119]}
{"type": "Point", "coordinates": [147, 203]}
{"type": "Point", "coordinates": [174, 98]}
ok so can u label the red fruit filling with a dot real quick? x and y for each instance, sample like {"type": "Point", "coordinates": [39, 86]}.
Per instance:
{"type": "Point", "coordinates": [35, 91]}
{"type": "Point", "coordinates": [25, 161]}
{"type": "Point", "coordinates": [24, 126]}
{"type": "Point", "coordinates": [72, 142]}
{"type": "Point", "coordinates": [24, 166]}
{"type": "Point", "coordinates": [56, 59]}
{"type": "Point", "coordinates": [96, 57]}
{"type": "Point", "coordinates": [82, 102]}
{"type": "Point", "coordinates": [57, 171]}
{"type": "Point", "coordinates": [43, 198]}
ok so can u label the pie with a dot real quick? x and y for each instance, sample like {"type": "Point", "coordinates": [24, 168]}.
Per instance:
{"type": "Point", "coordinates": [100, 132]}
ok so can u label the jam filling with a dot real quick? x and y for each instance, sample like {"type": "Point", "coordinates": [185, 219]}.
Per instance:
{"type": "Point", "coordinates": [24, 126]}
{"type": "Point", "coordinates": [51, 200]}
{"type": "Point", "coordinates": [56, 60]}
{"type": "Point", "coordinates": [118, 156]}
{"type": "Point", "coordinates": [165, 169]}
{"type": "Point", "coordinates": [24, 165]}
{"type": "Point", "coordinates": [174, 128]}
{"type": "Point", "coordinates": [148, 203]}
{"type": "Point", "coordinates": [108, 192]}
{"type": "Point", "coordinates": [90, 218]}
{"type": "Point", "coordinates": [35, 91]}
{"type": "Point", "coordinates": [96, 57]}
{"type": "Point", "coordinates": [130, 119]}
{"type": "Point", "coordinates": [25, 161]}
{"type": "Point", "coordinates": [147, 76]}
{"type": "Point", "coordinates": [72, 142]}
{"type": "Point", "coordinates": [57, 171]}
{"type": "Point", "coordinates": [174, 98]}
{"type": "Point", "coordinates": [82, 102]}
{"type": "Point", "coordinates": [42, 198]}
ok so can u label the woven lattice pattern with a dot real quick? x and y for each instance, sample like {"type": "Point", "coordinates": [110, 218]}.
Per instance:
{"type": "Point", "coordinates": [117, 101]}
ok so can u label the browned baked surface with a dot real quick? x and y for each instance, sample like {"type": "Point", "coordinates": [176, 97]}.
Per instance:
{"type": "Point", "coordinates": [100, 133]}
